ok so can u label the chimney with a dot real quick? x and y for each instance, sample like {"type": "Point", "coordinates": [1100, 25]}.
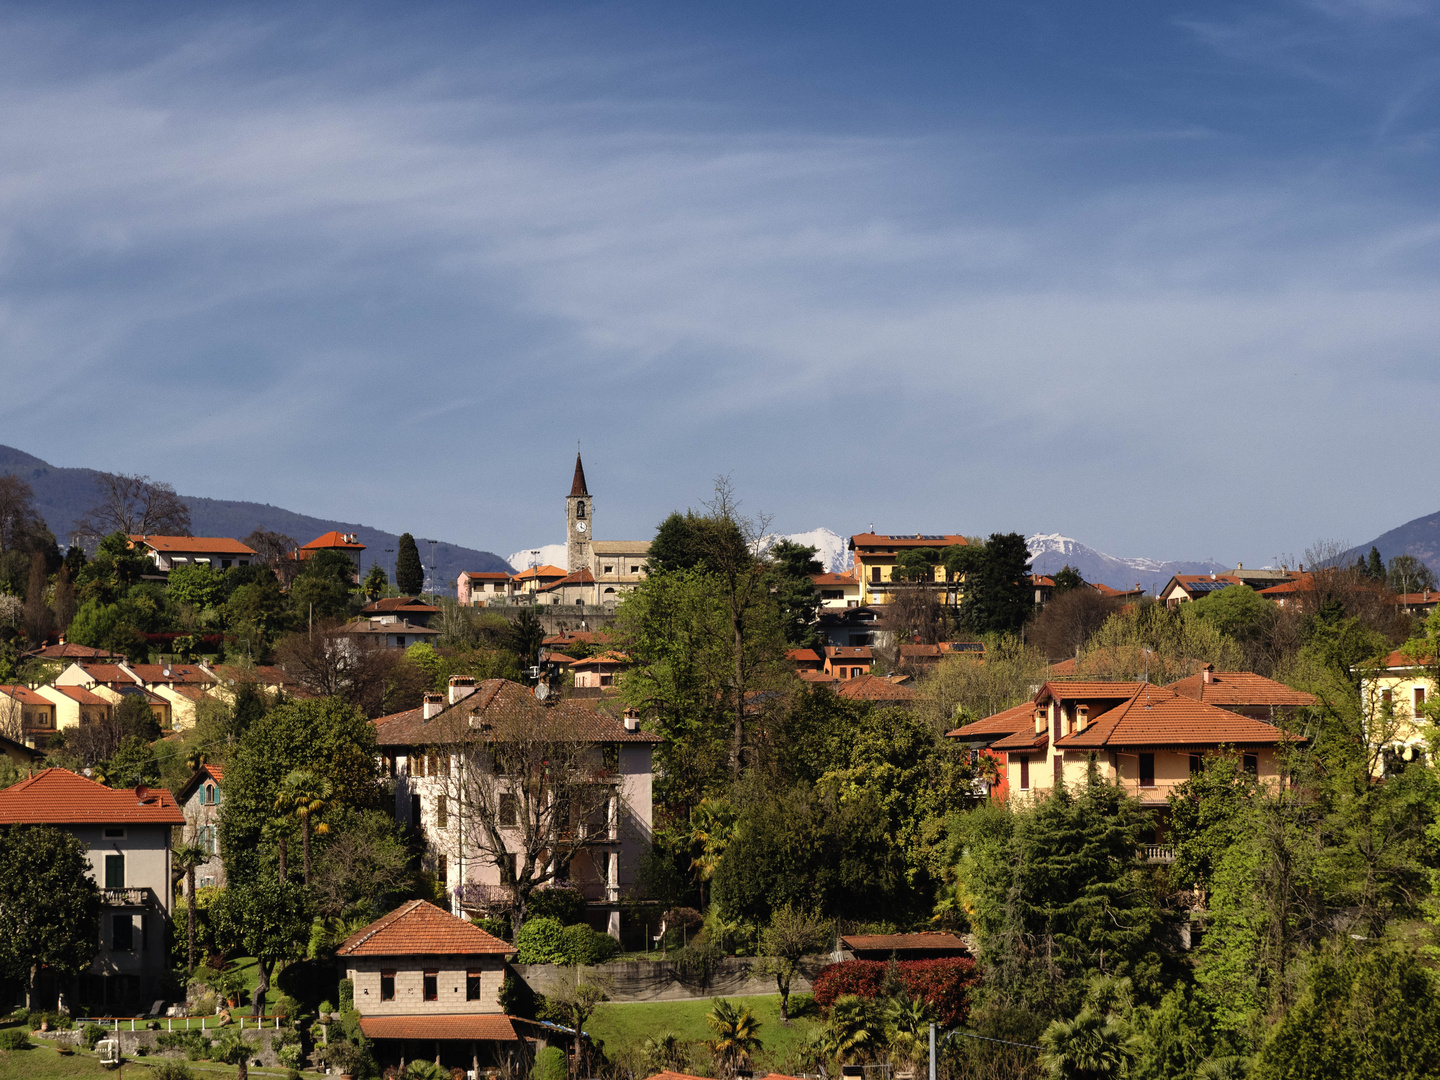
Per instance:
{"type": "Point", "coordinates": [1207, 674]}
{"type": "Point", "coordinates": [632, 721]}
{"type": "Point", "coordinates": [461, 686]}
{"type": "Point", "coordinates": [1082, 717]}
{"type": "Point", "coordinates": [1039, 721]}
{"type": "Point", "coordinates": [433, 704]}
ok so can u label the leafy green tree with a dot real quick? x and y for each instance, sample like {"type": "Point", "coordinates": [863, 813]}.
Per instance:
{"type": "Point", "coordinates": [324, 736]}
{"type": "Point", "coordinates": [1174, 1038]}
{"type": "Point", "coordinates": [792, 570]}
{"type": "Point", "coordinates": [196, 585]}
{"type": "Point", "coordinates": [793, 933]}
{"type": "Point", "coordinates": [375, 582]}
{"type": "Point", "coordinates": [916, 564]}
{"type": "Point", "coordinates": [809, 847]}
{"type": "Point", "coordinates": [855, 1029]}
{"type": "Point", "coordinates": [1089, 1047]}
{"type": "Point", "coordinates": [998, 594]}
{"type": "Point", "coordinates": [134, 763]}
{"type": "Point", "coordinates": [362, 865]}
{"type": "Point", "coordinates": [1407, 574]}
{"type": "Point", "coordinates": [323, 588]}
{"type": "Point", "coordinates": [104, 626]}
{"type": "Point", "coordinates": [1371, 1016]}
{"type": "Point", "coordinates": [262, 917]}
{"type": "Point", "coordinates": [114, 569]}
{"type": "Point", "coordinates": [257, 611]}
{"type": "Point", "coordinates": [49, 904]}
{"type": "Point", "coordinates": [1066, 579]}
{"type": "Point", "coordinates": [526, 636]}
{"type": "Point", "coordinates": [1209, 813]}
{"type": "Point", "coordinates": [409, 572]}
{"type": "Point", "coordinates": [736, 1036]}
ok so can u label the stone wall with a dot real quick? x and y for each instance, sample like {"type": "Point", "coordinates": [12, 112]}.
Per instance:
{"type": "Point", "coordinates": [661, 980]}
{"type": "Point", "coordinates": [262, 1040]}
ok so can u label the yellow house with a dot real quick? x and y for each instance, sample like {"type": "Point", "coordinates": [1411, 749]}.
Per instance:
{"type": "Point", "coordinates": [1392, 699]}
{"type": "Point", "coordinates": [876, 556]}
{"type": "Point", "coordinates": [75, 706]}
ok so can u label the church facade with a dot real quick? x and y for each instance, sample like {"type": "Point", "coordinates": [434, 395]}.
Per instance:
{"type": "Point", "coordinates": [598, 571]}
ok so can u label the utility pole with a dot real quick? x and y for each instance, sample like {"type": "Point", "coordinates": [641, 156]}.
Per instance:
{"type": "Point", "coordinates": [932, 1052]}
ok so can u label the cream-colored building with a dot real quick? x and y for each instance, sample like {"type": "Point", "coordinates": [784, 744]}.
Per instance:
{"type": "Point", "coordinates": [1393, 697]}
{"type": "Point", "coordinates": [75, 706]}
{"type": "Point", "coordinates": [876, 555]}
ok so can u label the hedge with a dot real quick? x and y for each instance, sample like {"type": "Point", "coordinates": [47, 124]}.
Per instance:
{"type": "Point", "coordinates": [944, 984]}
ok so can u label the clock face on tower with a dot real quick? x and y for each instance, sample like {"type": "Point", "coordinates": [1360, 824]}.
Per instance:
{"type": "Point", "coordinates": [580, 526]}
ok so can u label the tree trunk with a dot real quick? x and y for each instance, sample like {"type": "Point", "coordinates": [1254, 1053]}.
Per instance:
{"type": "Point", "coordinates": [262, 987]}
{"type": "Point", "coordinates": [783, 984]}
{"type": "Point", "coordinates": [282, 858]}
{"type": "Point", "coordinates": [738, 740]}
{"type": "Point", "coordinates": [190, 916]}
{"type": "Point", "coordinates": [305, 845]}
{"type": "Point", "coordinates": [242, 1070]}
{"type": "Point", "coordinates": [30, 986]}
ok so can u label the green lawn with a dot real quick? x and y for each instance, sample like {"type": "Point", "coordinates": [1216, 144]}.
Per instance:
{"type": "Point", "coordinates": [625, 1024]}
{"type": "Point", "coordinates": [43, 1062]}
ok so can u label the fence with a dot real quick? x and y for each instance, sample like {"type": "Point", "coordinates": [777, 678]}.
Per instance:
{"type": "Point", "coordinates": [178, 1023]}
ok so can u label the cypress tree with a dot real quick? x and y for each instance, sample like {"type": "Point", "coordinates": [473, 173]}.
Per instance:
{"type": "Point", "coordinates": [409, 574]}
{"type": "Point", "coordinates": [1375, 568]}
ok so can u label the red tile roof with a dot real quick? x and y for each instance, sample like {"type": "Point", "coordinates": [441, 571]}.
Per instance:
{"type": "Point", "coordinates": [604, 658]}
{"type": "Point", "coordinates": [546, 571]}
{"type": "Point", "coordinates": [671, 1075]}
{"type": "Point", "coordinates": [173, 673]}
{"type": "Point", "coordinates": [1240, 688]}
{"type": "Point", "coordinates": [80, 694]}
{"type": "Point", "coordinates": [493, 1027]}
{"type": "Point", "coordinates": [1063, 668]}
{"type": "Point", "coordinates": [486, 575]}
{"type": "Point", "coordinates": [847, 578]}
{"type": "Point", "coordinates": [878, 540]}
{"type": "Point", "coordinates": [1155, 716]}
{"type": "Point", "coordinates": [849, 652]}
{"type": "Point", "coordinates": [1185, 580]}
{"type": "Point", "coordinates": [874, 688]}
{"type": "Point", "coordinates": [918, 652]}
{"type": "Point", "coordinates": [419, 928]}
{"type": "Point", "coordinates": [1098, 688]}
{"type": "Point", "coordinates": [583, 576]}
{"type": "Point", "coordinates": [1006, 722]}
{"type": "Point", "coordinates": [406, 604]}
{"type": "Point", "coordinates": [1022, 741]}
{"type": "Point", "coordinates": [68, 650]}
{"type": "Point", "coordinates": [333, 539]}
{"type": "Point", "coordinates": [815, 677]}
{"type": "Point", "coordinates": [213, 772]}
{"type": "Point", "coordinates": [802, 656]}
{"type": "Point", "coordinates": [928, 941]}
{"type": "Point", "coordinates": [1042, 580]}
{"type": "Point", "coordinates": [500, 702]}
{"type": "Point", "coordinates": [1303, 583]}
{"type": "Point", "coordinates": [25, 695]}
{"type": "Point", "coordinates": [1114, 594]}
{"type": "Point", "coordinates": [61, 797]}
{"type": "Point", "coordinates": [199, 545]}
{"type": "Point", "coordinates": [107, 673]}
{"type": "Point", "coordinates": [1399, 659]}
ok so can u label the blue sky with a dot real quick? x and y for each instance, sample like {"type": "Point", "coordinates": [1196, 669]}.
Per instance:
{"type": "Point", "coordinates": [1163, 277]}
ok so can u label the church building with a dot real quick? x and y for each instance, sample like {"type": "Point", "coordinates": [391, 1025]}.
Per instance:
{"type": "Point", "coordinates": [598, 571]}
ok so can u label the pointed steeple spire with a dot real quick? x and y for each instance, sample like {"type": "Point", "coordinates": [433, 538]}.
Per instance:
{"type": "Point", "coordinates": [578, 487]}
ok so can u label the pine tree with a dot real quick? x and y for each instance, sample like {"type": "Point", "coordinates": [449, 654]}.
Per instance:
{"type": "Point", "coordinates": [409, 573]}
{"type": "Point", "coordinates": [1375, 566]}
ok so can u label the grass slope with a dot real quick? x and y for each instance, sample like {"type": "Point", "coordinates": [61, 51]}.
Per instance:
{"type": "Point", "coordinates": [625, 1025]}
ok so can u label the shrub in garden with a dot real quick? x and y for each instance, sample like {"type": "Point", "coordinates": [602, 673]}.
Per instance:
{"type": "Point", "coordinates": [497, 927]}
{"type": "Point", "coordinates": [550, 1064]}
{"type": "Point", "coordinates": [944, 984]}
{"type": "Point", "coordinates": [579, 944]}
{"type": "Point", "coordinates": [171, 1070]}
{"type": "Point", "coordinates": [539, 942]}
{"type": "Point", "coordinates": [91, 1035]}
{"type": "Point", "coordinates": [14, 1039]}
{"type": "Point", "coordinates": [562, 903]}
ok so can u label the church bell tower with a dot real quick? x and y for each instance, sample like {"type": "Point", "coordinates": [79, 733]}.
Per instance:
{"type": "Point", "coordinates": [579, 521]}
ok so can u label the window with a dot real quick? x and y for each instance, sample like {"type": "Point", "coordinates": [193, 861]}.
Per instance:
{"type": "Point", "coordinates": [207, 882]}
{"type": "Point", "coordinates": [509, 810]}
{"type": "Point", "coordinates": [856, 672]}
{"type": "Point", "coordinates": [431, 985]}
{"type": "Point", "coordinates": [399, 641]}
{"type": "Point", "coordinates": [580, 601]}
{"type": "Point", "coordinates": [1419, 699]}
{"type": "Point", "coordinates": [442, 812]}
{"type": "Point", "coordinates": [1196, 765]}
{"type": "Point", "coordinates": [472, 985]}
{"type": "Point", "coordinates": [609, 569]}
{"type": "Point", "coordinates": [610, 757]}
{"type": "Point", "coordinates": [1147, 770]}
{"type": "Point", "coordinates": [415, 811]}
{"type": "Point", "coordinates": [634, 569]}
{"type": "Point", "coordinates": [580, 510]}
{"type": "Point", "coordinates": [1024, 772]}
{"type": "Point", "coordinates": [607, 680]}
{"type": "Point", "coordinates": [114, 871]}
{"type": "Point", "coordinates": [208, 839]}
{"type": "Point", "coordinates": [116, 833]}
{"type": "Point", "coordinates": [443, 760]}
{"type": "Point", "coordinates": [1252, 764]}
{"type": "Point", "coordinates": [122, 933]}
{"type": "Point", "coordinates": [1385, 697]}
{"type": "Point", "coordinates": [387, 986]}
{"type": "Point", "coordinates": [875, 574]}
{"type": "Point", "coordinates": [442, 869]}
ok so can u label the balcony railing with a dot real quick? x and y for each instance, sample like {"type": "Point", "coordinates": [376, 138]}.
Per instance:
{"type": "Point", "coordinates": [125, 897]}
{"type": "Point", "coordinates": [1157, 853]}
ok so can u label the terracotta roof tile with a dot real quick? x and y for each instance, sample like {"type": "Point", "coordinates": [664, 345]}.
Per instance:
{"type": "Point", "coordinates": [849, 652]}
{"type": "Point", "coordinates": [406, 604]}
{"type": "Point", "coordinates": [671, 1075]}
{"type": "Point", "coordinates": [847, 578]}
{"type": "Point", "coordinates": [603, 658]}
{"type": "Point", "coordinates": [25, 695]}
{"type": "Point", "coordinates": [583, 576]}
{"type": "Point", "coordinates": [1240, 688]}
{"type": "Point", "coordinates": [1117, 690]}
{"type": "Point", "coordinates": [486, 575]}
{"type": "Point", "coordinates": [1063, 668]}
{"type": "Point", "coordinates": [199, 545]}
{"type": "Point", "coordinates": [332, 539]}
{"type": "Point", "coordinates": [1022, 741]}
{"type": "Point", "coordinates": [1155, 716]}
{"type": "Point", "coordinates": [80, 694]}
{"type": "Point", "coordinates": [173, 673]}
{"type": "Point", "coordinates": [874, 688]}
{"type": "Point", "coordinates": [107, 673]}
{"type": "Point", "coordinates": [479, 1027]}
{"type": "Point", "coordinates": [61, 797]}
{"type": "Point", "coordinates": [803, 656]}
{"type": "Point", "coordinates": [1006, 722]}
{"type": "Point", "coordinates": [419, 928]}
{"type": "Point", "coordinates": [68, 650]}
{"type": "Point", "coordinates": [881, 540]}
{"type": "Point", "coordinates": [920, 651]}
{"type": "Point", "coordinates": [212, 772]}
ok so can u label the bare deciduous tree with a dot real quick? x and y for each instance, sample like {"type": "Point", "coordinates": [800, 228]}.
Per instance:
{"type": "Point", "coordinates": [276, 549]}
{"type": "Point", "coordinates": [1068, 622]}
{"type": "Point", "coordinates": [19, 523]}
{"type": "Point", "coordinates": [134, 505]}
{"type": "Point", "coordinates": [331, 661]}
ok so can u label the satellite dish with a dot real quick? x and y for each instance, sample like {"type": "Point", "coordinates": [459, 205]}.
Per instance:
{"type": "Point", "coordinates": [542, 691]}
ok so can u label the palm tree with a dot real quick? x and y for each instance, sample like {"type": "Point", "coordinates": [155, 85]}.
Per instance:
{"type": "Point", "coordinates": [666, 1053]}
{"type": "Point", "coordinates": [1090, 1047]}
{"type": "Point", "coordinates": [306, 795]}
{"type": "Point", "coordinates": [907, 1022]}
{"type": "Point", "coordinates": [854, 1029]}
{"type": "Point", "coordinates": [712, 824]}
{"type": "Point", "coordinates": [187, 857]}
{"type": "Point", "coordinates": [737, 1035]}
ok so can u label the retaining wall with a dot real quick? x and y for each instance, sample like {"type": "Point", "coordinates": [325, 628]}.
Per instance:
{"type": "Point", "coordinates": [262, 1040]}
{"type": "Point", "coordinates": [661, 980]}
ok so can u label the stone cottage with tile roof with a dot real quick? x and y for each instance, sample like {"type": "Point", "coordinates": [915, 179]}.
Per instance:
{"type": "Point", "coordinates": [443, 757]}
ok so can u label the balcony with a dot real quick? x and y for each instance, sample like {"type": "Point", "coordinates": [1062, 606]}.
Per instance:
{"type": "Point", "coordinates": [125, 897]}
{"type": "Point", "coordinates": [1157, 853]}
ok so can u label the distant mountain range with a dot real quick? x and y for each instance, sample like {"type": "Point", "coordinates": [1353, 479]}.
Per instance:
{"type": "Point", "coordinates": [1420, 538]}
{"type": "Point", "coordinates": [1050, 552]}
{"type": "Point", "coordinates": [63, 495]}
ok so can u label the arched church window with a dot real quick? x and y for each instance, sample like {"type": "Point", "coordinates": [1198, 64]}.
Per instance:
{"type": "Point", "coordinates": [580, 509]}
